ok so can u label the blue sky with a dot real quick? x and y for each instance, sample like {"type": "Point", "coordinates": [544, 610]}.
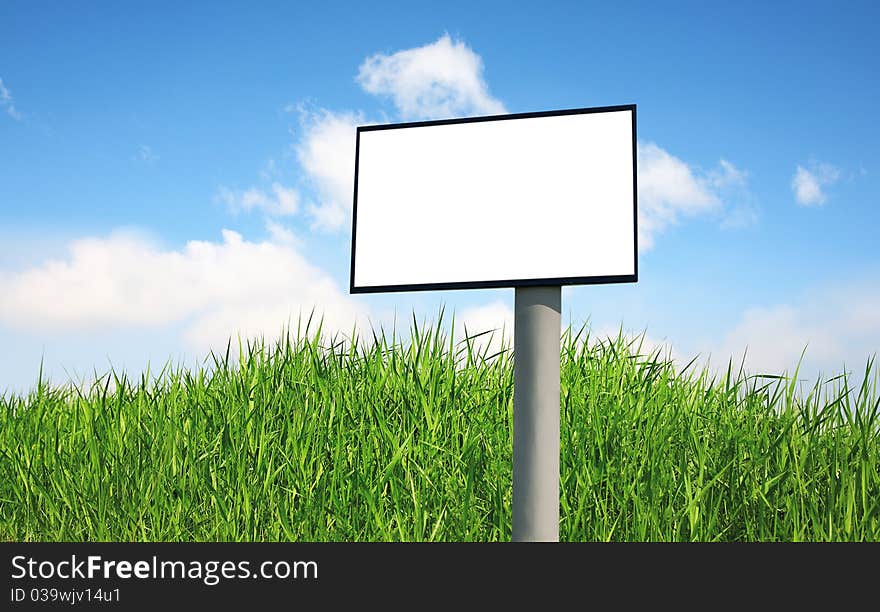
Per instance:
{"type": "Point", "coordinates": [174, 173]}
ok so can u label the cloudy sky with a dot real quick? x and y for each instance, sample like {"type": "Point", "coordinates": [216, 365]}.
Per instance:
{"type": "Point", "coordinates": [174, 173]}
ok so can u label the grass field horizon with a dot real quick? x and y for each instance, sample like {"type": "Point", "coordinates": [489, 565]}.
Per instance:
{"type": "Point", "coordinates": [312, 438]}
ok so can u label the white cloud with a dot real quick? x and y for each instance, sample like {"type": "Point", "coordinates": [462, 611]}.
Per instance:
{"type": "Point", "coordinates": [808, 185]}
{"type": "Point", "coordinates": [279, 201]}
{"type": "Point", "coordinates": [326, 153]}
{"type": "Point", "coordinates": [214, 289]}
{"type": "Point", "coordinates": [280, 234]}
{"type": "Point", "coordinates": [838, 325]}
{"type": "Point", "coordinates": [727, 175]}
{"type": "Point", "coordinates": [730, 185]}
{"type": "Point", "coordinates": [439, 80]}
{"type": "Point", "coordinates": [6, 102]}
{"type": "Point", "coordinates": [669, 189]}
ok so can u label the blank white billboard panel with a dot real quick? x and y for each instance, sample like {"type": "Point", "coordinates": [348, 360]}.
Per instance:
{"type": "Point", "coordinates": [513, 200]}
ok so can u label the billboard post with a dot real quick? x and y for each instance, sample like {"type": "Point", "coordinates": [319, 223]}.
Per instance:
{"type": "Point", "coordinates": [536, 344]}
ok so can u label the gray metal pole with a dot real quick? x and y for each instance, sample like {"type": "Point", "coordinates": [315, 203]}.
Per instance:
{"type": "Point", "coordinates": [536, 344]}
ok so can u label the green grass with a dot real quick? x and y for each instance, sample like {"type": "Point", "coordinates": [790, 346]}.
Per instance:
{"type": "Point", "coordinates": [312, 439]}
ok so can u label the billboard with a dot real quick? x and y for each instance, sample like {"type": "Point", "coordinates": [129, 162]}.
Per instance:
{"type": "Point", "coordinates": [516, 200]}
